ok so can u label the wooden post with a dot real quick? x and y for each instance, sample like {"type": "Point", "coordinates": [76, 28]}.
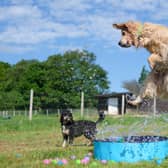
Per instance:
{"type": "Point", "coordinates": [123, 104]}
{"type": "Point", "coordinates": [14, 113]}
{"type": "Point", "coordinates": [58, 112]}
{"type": "Point", "coordinates": [47, 112]}
{"type": "Point", "coordinates": [154, 105]}
{"type": "Point", "coordinates": [25, 113]}
{"type": "Point", "coordinates": [82, 103]}
{"type": "Point", "coordinates": [31, 105]}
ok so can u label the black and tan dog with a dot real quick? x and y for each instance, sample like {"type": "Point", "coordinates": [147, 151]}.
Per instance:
{"type": "Point", "coordinates": [72, 129]}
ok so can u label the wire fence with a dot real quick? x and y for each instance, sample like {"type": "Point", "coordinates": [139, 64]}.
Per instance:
{"type": "Point", "coordinates": [88, 112]}
{"type": "Point", "coordinates": [149, 106]}
{"type": "Point", "coordinates": [155, 106]}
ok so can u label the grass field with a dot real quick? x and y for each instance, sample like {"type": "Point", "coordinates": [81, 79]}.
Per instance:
{"type": "Point", "coordinates": [25, 144]}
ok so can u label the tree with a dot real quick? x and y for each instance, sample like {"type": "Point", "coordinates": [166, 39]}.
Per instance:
{"type": "Point", "coordinates": [134, 86]}
{"type": "Point", "coordinates": [4, 69]}
{"type": "Point", "coordinates": [144, 73]}
{"type": "Point", "coordinates": [72, 72]}
{"type": "Point", "coordinates": [57, 82]}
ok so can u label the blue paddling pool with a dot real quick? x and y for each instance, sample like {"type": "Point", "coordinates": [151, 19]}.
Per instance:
{"type": "Point", "coordinates": [132, 149]}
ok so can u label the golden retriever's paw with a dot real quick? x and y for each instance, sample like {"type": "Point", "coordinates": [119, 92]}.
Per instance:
{"type": "Point", "coordinates": [135, 102]}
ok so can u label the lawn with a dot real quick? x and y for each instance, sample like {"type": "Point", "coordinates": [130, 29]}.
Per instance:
{"type": "Point", "coordinates": [25, 144]}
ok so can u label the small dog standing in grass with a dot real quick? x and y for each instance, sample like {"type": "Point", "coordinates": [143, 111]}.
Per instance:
{"type": "Point", "coordinates": [72, 129]}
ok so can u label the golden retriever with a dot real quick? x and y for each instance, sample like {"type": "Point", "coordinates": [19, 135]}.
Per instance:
{"type": "Point", "coordinates": [154, 38]}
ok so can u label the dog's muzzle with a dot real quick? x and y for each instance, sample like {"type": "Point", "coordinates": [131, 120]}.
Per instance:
{"type": "Point", "coordinates": [123, 45]}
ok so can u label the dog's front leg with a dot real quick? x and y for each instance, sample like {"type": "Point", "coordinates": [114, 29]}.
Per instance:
{"type": "Point", "coordinates": [148, 90]}
{"type": "Point", "coordinates": [153, 59]}
{"type": "Point", "coordinates": [65, 139]}
{"type": "Point", "coordinates": [71, 138]}
{"type": "Point", "coordinates": [135, 102]}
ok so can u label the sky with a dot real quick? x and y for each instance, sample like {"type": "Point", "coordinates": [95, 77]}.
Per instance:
{"type": "Point", "coordinates": [36, 29]}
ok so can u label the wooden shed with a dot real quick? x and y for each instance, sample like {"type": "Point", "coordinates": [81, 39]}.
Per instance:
{"type": "Point", "coordinates": [114, 103]}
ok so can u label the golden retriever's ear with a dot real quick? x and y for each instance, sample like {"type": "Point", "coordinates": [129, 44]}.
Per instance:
{"type": "Point", "coordinates": [120, 26]}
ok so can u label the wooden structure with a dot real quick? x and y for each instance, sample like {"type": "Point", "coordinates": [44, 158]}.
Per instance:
{"type": "Point", "coordinates": [114, 103]}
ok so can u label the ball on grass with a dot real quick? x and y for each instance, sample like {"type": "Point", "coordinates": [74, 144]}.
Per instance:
{"type": "Point", "coordinates": [64, 161]}
{"type": "Point", "coordinates": [46, 161]}
{"type": "Point", "coordinates": [73, 157]}
{"type": "Point", "coordinates": [87, 158]}
{"type": "Point", "coordinates": [90, 154]}
{"type": "Point", "coordinates": [78, 161]}
{"type": "Point", "coordinates": [104, 161]}
{"type": "Point", "coordinates": [84, 161]}
{"type": "Point", "coordinates": [60, 163]}
{"type": "Point", "coordinates": [54, 161]}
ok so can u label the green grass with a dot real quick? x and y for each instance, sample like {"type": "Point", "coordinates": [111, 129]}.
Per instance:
{"type": "Point", "coordinates": [25, 144]}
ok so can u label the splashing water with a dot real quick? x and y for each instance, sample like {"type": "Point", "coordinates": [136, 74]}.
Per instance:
{"type": "Point", "coordinates": [148, 126]}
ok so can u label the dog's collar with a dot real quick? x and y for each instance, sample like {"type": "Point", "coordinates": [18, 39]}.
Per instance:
{"type": "Point", "coordinates": [139, 31]}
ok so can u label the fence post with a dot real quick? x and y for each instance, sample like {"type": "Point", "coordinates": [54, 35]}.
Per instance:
{"type": "Point", "coordinates": [47, 112]}
{"type": "Point", "coordinates": [123, 104]}
{"type": "Point", "coordinates": [58, 112]}
{"type": "Point", "coordinates": [25, 113]}
{"type": "Point", "coordinates": [14, 113]}
{"type": "Point", "coordinates": [154, 105]}
{"type": "Point", "coordinates": [82, 103]}
{"type": "Point", "coordinates": [31, 105]}
{"type": "Point", "coordinates": [3, 113]}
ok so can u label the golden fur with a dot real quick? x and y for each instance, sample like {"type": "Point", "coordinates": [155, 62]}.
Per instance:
{"type": "Point", "coordinates": [154, 38]}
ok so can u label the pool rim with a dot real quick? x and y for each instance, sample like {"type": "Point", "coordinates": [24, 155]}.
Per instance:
{"type": "Point", "coordinates": [121, 141]}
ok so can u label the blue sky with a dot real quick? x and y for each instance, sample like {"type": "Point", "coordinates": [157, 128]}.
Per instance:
{"type": "Point", "coordinates": [35, 29]}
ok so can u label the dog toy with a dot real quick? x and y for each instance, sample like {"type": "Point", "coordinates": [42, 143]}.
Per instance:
{"type": "Point", "coordinates": [47, 161]}
{"type": "Point", "coordinates": [78, 161]}
{"type": "Point", "coordinates": [104, 161]}
{"type": "Point", "coordinates": [54, 161]}
{"type": "Point", "coordinates": [73, 157]}
{"type": "Point", "coordinates": [64, 161]}
{"type": "Point", "coordinates": [90, 154]}
{"type": "Point", "coordinates": [85, 160]}
{"type": "Point", "coordinates": [60, 162]}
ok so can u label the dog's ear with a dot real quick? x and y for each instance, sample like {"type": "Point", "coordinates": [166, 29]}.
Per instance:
{"type": "Point", "coordinates": [121, 26]}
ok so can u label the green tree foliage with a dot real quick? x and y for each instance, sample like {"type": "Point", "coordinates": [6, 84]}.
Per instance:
{"type": "Point", "coordinates": [57, 82]}
{"type": "Point", "coordinates": [4, 68]}
{"type": "Point", "coordinates": [143, 75]}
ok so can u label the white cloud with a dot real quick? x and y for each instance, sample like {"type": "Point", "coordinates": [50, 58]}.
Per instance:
{"type": "Point", "coordinates": [19, 12]}
{"type": "Point", "coordinates": [34, 22]}
{"type": "Point", "coordinates": [14, 49]}
{"type": "Point", "coordinates": [135, 5]}
{"type": "Point", "coordinates": [21, 2]}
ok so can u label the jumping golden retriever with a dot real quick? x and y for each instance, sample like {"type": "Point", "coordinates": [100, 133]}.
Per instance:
{"type": "Point", "coordinates": [154, 38]}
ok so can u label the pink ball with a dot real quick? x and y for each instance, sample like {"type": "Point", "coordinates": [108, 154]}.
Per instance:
{"type": "Point", "coordinates": [84, 161]}
{"type": "Point", "coordinates": [64, 161]}
{"type": "Point", "coordinates": [87, 158]}
{"type": "Point", "coordinates": [47, 161]}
